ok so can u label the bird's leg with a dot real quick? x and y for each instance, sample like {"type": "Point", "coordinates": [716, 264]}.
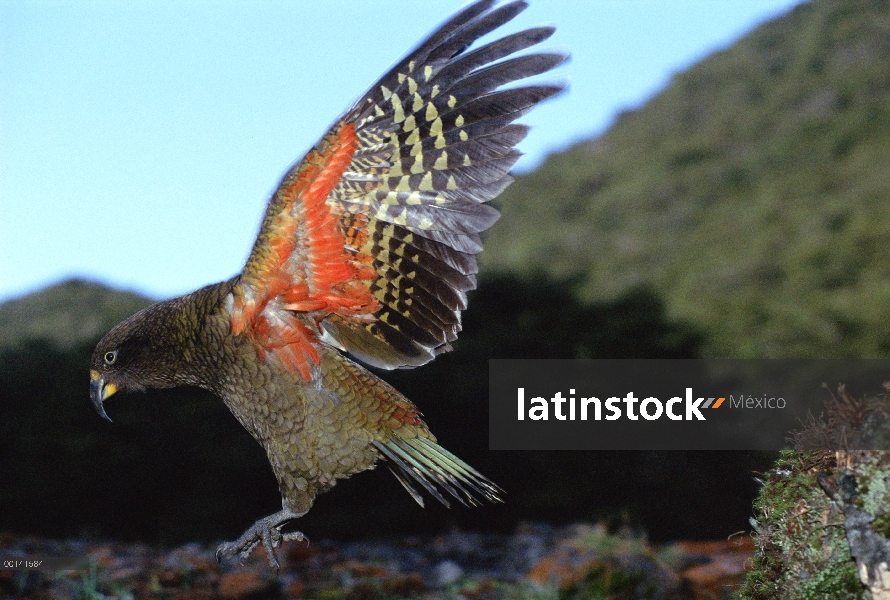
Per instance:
{"type": "Point", "coordinates": [266, 530]}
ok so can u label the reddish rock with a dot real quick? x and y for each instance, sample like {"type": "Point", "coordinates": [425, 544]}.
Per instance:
{"type": "Point", "coordinates": [723, 570]}
{"type": "Point", "coordinates": [357, 569]}
{"type": "Point", "coordinates": [296, 553]}
{"type": "Point", "coordinates": [242, 585]}
{"type": "Point", "coordinates": [403, 585]}
{"type": "Point", "coordinates": [563, 568]}
{"type": "Point", "coordinates": [295, 589]}
{"type": "Point", "coordinates": [742, 544]}
{"type": "Point", "coordinates": [170, 578]}
{"type": "Point", "coordinates": [544, 571]}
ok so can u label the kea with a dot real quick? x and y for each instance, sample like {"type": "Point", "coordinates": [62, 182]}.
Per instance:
{"type": "Point", "coordinates": [365, 255]}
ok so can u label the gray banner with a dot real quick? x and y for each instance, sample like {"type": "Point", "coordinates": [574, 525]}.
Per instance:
{"type": "Point", "coordinates": [688, 404]}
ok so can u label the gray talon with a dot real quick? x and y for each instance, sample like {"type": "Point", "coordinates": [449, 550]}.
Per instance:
{"type": "Point", "coordinates": [266, 531]}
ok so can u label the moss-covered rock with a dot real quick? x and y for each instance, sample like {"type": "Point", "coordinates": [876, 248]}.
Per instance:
{"type": "Point", "coordinates": [823, 516]}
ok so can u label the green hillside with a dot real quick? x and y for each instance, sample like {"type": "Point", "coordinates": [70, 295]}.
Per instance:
{"type": "Point", "coordinates": [752, 194]}
{"type": "Point", "coordinates": [67, 314]}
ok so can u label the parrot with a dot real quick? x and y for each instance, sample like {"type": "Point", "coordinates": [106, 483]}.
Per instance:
{"type": "Point", "coordinates": [364, 257]}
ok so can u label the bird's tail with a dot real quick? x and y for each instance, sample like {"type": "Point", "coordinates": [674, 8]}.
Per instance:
{"type": "Point", "coordinates": [420, 460]}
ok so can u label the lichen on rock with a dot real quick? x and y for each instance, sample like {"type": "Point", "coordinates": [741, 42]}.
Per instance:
{"type": "Point", "coordinates": [823, 514]}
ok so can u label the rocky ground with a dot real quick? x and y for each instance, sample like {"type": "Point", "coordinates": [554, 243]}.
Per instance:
{"type": "Point", "coordinates": [537, 561]}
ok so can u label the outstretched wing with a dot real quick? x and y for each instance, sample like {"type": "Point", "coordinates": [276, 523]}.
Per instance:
{"type": "Point", "coordinates": [370, 242]}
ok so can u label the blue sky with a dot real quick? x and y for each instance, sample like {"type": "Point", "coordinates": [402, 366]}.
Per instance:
{"type": "Point", "coordinates": [139, 141]}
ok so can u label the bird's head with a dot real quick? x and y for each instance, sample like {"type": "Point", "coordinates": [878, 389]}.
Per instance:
{"type": "Point", "coordinates": [145, 351]}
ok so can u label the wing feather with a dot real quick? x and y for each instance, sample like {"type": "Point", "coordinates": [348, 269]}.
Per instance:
{"type": "Point", "coordinates": [370, 241]}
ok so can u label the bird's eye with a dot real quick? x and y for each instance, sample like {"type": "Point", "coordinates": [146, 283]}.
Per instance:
{"type": "Point", "coordinates": [110, 357]}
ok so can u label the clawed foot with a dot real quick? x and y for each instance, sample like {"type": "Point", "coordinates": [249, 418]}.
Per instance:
{"type": "Point", "coordinates": [268, 531]}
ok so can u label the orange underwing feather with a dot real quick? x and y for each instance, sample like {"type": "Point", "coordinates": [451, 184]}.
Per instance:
{"type": "Point", "coordinates": [299, 263]}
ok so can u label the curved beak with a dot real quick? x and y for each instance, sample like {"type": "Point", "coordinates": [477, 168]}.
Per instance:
{"type": "Point", "coordinates": [99, 392]}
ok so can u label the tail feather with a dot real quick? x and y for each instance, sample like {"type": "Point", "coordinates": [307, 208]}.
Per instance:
{"type": "Point", "coordinates": [408, 487]}
{"type": "Point", "coordinates": [411, 467]}
{"type": "Point", "coordinates": [419, 460]}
